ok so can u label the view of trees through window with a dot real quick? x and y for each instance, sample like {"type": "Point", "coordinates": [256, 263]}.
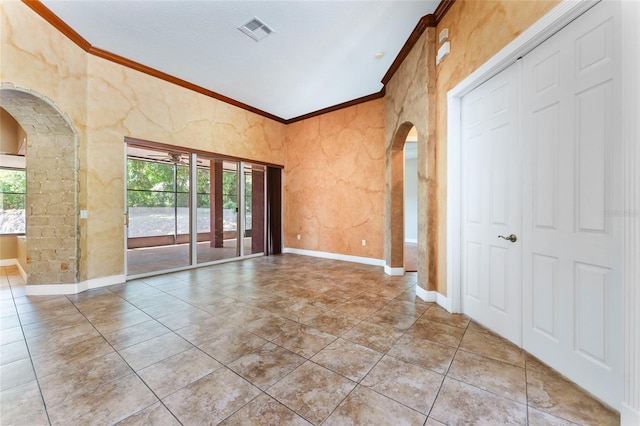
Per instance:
{"type": "Point", "coordinates": [158, 198]}
{"type": "Point", "coordinates": [13, 187]}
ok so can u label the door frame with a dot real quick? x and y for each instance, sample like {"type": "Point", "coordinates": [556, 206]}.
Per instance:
{"type": "Point", "coordinates": [565, 12]}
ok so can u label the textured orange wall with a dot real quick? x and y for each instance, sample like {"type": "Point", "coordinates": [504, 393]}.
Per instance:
{"type": "Point", "coordinates": [477, 31]}
{"type": "Point", "coordinates": [334, 182]}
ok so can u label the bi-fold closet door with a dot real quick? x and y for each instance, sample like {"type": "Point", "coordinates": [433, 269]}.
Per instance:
{"type": "Point", "coordinates": [549, 126]}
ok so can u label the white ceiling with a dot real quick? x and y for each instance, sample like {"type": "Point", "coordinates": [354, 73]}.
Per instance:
{"type": "Point", "coordinates": [321, 53]}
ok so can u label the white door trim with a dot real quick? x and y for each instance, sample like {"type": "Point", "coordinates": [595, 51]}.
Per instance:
{"type": "Point", "coordinates": [557, 18]}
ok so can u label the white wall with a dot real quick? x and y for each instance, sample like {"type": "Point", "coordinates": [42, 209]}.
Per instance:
{"type": "Point", "coordinates": [410, 198]}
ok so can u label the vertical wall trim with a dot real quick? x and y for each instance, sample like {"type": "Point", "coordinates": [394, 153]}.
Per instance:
{"type": "Point", "coordinates": [630, 413]}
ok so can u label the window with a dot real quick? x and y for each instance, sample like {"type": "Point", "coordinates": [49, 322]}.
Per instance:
{"type": "Point", "coordinates": [13, 187]}
{"type": "Point", "coordinates": [158, 198]}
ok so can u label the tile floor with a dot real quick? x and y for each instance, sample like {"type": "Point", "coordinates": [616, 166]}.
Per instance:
{"type": "Point", "coordinates": [275, 341]}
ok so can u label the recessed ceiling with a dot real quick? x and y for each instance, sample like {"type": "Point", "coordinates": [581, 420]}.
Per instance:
{"type": "Point", "coordinates": [320, 53]}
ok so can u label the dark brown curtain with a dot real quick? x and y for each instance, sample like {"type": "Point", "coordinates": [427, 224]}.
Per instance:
{"type": "Point", "coordinates": [274, 211]}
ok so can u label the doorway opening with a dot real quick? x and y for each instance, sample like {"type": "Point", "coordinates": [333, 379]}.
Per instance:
{"type": "Point", "coordinates": [411, 202]}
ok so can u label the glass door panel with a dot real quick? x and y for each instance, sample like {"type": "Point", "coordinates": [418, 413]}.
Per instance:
{"type": "Point", "coordinates": [158, 236]}
{"type": "Point", "coordinates": [217, 217]}
{"type": "Point", "coordinates": [254, 185]}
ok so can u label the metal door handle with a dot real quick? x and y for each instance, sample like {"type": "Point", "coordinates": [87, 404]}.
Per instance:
{"type": "Point", "coordinates": [511, 238]}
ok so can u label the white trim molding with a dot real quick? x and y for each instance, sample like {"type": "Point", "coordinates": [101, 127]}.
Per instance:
{"type": "Point", "coordinates": [630, 406]}
{"type": "Point", "coordinates": [434, 296]}
{"type": "Point", "coordinates": [335, 256]}
{"type": "Point", "coordinates": [61, 289]}
{"type": "Point", "coordinates": [393, 272]}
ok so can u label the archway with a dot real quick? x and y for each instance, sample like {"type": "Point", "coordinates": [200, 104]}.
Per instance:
{"type": "Point", "coordinates": [52, 186]}
{"type": "Point", "coordinates": [394, 249]}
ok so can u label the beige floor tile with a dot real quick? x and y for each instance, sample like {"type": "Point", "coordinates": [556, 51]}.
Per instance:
{"type": "Point", "coordinates": [426, 328]}
{"type": "Point", "coordinates": [46, 314]}
{"type": "Point", "coordinates": [348, 359]}
{"type": "Point", "coordinates": [70, 355]}
{"type": "Point", "coordinates": [177, 371]}
{"type": "Point", "coordinates": [266, 365]}
{"type": "Point", "coordinates": [22, 405]}
{"type": "Point", "coordinates": [138, 333]}
{"type": "Point", "coordinates": [553, 394]}
{"type": "Point", "coordinates": [366, 407]}
{"type": "Point", "coordinates": [154, 415]}
{"type": "Point", "coordinates": [53, 326]}
{"type": "Point", "coordinates": [268, 326]}
{"type": "Point", "coordinates": [12, 352]}
{"type": "Point", "coordinates": [178, 320]}
{"type": "Point", "coordinates": [391, 318]}
{"type": "Point", "coordinates": [8, 322]}
{"type": "Point", "coordinates": [303, 340]}
{"type": "Point", "coordinates": [462, 404]}
{"type": "Point", "coordinates": [332, 322]}
{"type": "Point", "coordinates": [150, 351]}
{"type": "Point", "coordinates": [424, 353]}
{"type": "Point", "coordinates": [202, 331]}
{"type": "Point", "coordinates": [169, 307]}
{"type": "Point", "coordinates": [55, 341]}
{"type": "Point", "coordinates": [409, 384]}
{"type": "Point", "coordinates": [483, 342]}
{"type": "Point", "coordinates": [540, 418]}
{"type": "Point", "coordinates": [359, 309]}
{"type": "Point", "coordinates": [438, 314]}
{"type": "Point", "coordinates": [211, 399]}
{"type": "Point", "coordinates": [339, 318]}
{"type": "Point", "coordinates": [408, 307]}
{"type": "Point", "coordinates": [228, 346]}
{"type": "Point", "coordinates": [65, 385]}
{"type": "Point", "coordinates": [494, 376]}
{"type": "Point", "coordinates": [108, 404]}
{"type": "Point", "coordinates": [40, 303]}
{"type": "Point", "coordinates": [16, 373]}
{"type": "Point", "coordinates": [265, 411]}
{"type": "Point", "coordinates": [327, 301]}
{"type": "Point", "coordinates": [377, 337]}
{"type": "Point", "coordinates": [312, 391]}
{"type": "Point", "coordinates": [117, 322]}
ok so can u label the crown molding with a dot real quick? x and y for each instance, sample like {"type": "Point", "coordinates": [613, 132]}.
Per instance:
{"type": "Point", "coordinates": [425, 22]}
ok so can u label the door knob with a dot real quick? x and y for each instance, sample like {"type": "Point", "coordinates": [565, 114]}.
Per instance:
{"type": "Point", "coordinates": [511, 238]}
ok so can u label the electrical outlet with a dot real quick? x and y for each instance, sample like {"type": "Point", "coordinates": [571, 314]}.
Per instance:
{"type": "Point", "coordinates": [364, 243]}
{"type": "Point", "coordinates": [298, 236]}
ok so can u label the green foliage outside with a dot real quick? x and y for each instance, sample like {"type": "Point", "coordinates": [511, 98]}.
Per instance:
{"type": "Point", "coordinates": [13, 186]}
{"type": "Point", "coordinates": [151, 184]}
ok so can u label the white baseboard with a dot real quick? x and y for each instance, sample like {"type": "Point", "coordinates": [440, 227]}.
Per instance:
{"type": "Point", "coordinates": [393, 272]}
{"type": "Point", "coordinates": [14, 262]}
{"type": "Point", "coordinates": [335, 256]}
{"type": "Point", "coordinates": [60, 289]}
{"type": "Point", "coordinates": [434, 296]}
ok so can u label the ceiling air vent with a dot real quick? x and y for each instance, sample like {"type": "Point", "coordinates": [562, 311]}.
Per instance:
{"type": "Point", "coordinates": [256, 29]}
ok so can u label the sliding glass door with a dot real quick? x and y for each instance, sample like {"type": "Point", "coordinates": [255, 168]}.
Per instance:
{"type": "Point", "coordinates": [173, 224]}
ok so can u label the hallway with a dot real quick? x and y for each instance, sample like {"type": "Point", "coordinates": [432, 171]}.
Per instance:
{"type": "Point", "coordinates": [272, 340]}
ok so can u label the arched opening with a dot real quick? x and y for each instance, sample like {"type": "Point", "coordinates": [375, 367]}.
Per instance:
{"type": "Point", "coordinates": [395, 217]}
{"type": "Point", "coordinates": [411, 202]}
{"type": "Point", "coordinates": [51, 207]}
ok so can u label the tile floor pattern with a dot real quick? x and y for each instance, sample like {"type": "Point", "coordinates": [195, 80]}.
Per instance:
{"type": "Point", "coordinates": [276, 340]}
